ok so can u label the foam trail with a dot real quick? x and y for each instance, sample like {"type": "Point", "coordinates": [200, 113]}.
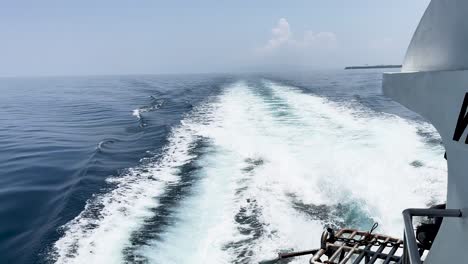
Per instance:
{"type": "Point", "coordinates": [239, 209]}
{"type": "Point", "coordinates": [277, 154]}
{"type": "Point", "coordinates": [103, 229]}
{"type": "Point", "coordinates": [278, 165]}
{"type": "Point", "coordinates": [369, 157]}
{"type": "Point", "coordinates": [136, 113]}
{"type": "Point", "coordinates": [152, 107]}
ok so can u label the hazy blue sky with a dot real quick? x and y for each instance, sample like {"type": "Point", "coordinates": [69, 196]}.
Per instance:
{"type": "Point", "coordinates": [125, 37]}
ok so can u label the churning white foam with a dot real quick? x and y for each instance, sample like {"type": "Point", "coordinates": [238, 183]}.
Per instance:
{"type": "Point", "coordinates": [136, 113]}
{"type": "Point", "coordinates": [369, 157]}
{"type": "Point", "coordinates": [103, 229]}
{"type": "Point", "coordinates": [311, 149]}
{"type": "Point", "coordinates": [154, 106]}
{"type": "Point", "coordinates": [267, 148]}
{"type": "Point", "coordinates": [208, 231]}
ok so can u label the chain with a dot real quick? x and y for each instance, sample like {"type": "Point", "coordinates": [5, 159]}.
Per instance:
{"type": "Point", "coordinates": [366, 242]}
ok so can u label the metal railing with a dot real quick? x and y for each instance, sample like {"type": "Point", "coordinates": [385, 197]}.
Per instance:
{"type": "Point", "coordinates": [411, 247]}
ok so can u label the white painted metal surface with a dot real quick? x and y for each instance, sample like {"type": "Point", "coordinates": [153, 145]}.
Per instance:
{"type": "Point", "coordinates": [441, 40]}
{"type": "Point", "coordinates": [434, 83]}
{"type": "Point", "coordinates": [439, 96]}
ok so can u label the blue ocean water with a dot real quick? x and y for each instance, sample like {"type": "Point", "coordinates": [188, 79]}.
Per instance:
{"type": "Point", "coordinates": [203, 168]}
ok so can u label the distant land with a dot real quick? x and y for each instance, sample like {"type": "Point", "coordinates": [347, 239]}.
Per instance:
{"type": "Point", "coordinates": [372, 67]}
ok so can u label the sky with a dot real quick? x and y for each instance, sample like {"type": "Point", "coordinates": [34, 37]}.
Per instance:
{"type": "Point", "coordinates": [89, 37]}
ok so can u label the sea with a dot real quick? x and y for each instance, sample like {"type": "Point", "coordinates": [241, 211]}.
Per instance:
{"type": "Point", "coordinates": [205, 168]}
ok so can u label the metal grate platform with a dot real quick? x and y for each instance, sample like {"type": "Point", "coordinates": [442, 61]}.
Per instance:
{"type": "Point", "coordinates": [350, 246]}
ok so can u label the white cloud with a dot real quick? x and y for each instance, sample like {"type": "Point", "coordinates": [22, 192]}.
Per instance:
{"type": "Point", "coordinates": [286, 49]}
{"type": "Point", "coordinates": [283, 39]}
{"type": "Point", "coordinates": [281, 35]}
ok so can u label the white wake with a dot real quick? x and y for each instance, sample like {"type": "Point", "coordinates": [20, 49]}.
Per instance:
{"type": "Point", "coordinates": [268, 150]}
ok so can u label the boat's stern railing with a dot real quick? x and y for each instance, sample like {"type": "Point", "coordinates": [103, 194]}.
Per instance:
{"type": "Point", "coordinates": [411, 254]}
